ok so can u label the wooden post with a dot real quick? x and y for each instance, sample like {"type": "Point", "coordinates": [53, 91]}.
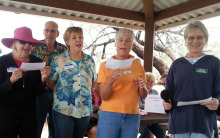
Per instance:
{"type": "Point", "coordinates": [149, 35]}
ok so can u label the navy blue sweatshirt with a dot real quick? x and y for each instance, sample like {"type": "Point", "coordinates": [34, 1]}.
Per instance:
{"type": "Point", "coordinates": [189, 82]}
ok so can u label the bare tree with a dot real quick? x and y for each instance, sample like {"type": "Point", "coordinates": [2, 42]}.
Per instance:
{"type": "Point", "coordinates": [163, 44]}
{"type": "Point", "coordinates": [158, 62]}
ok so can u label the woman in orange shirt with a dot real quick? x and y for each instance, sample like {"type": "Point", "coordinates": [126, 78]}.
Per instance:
{"type": "Point", "coordinates": [120, 90]}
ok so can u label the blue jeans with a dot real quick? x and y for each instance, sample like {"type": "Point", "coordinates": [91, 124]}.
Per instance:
{"type": "Point", "coordinates": [156, 129]}
{"type": "Point", "coordinates": [191, 135]}
{"type": "Point", "coordinates": [117, 125]}
{"type": "Point", "coordinates": [68, 126]}
{"type": "Point", "coordinates": [44, 110]}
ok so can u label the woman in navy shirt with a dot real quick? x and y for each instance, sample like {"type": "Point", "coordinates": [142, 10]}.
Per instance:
{"type": "Point", "coordinates": [193, 77]}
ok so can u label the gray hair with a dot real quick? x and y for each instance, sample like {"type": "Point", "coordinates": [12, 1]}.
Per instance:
{"type": "Point", "coordinates": [149, 76]}
{"type": "Point", "coordinates": [196, 24]}
{"type": "Point", "coordinates": [125, 30]}
{"type": "Point", "coordinates": [52, 23]}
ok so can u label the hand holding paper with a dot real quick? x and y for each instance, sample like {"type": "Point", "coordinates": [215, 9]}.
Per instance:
{"type": "Point", "coordinates": [115, 74]}
{"type": "Point", "coordinates": [211, 105]}
{"type": "Point", "coordinates": [180, 103]}
{"type": "Point", "coordinates": [45, 72]}
{"type": "Point", "coordinates": [32, 66]}
{"type": "Point", "coordinates": [118, 64]}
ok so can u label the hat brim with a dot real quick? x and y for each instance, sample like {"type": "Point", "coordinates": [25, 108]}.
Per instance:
{"type": "Point", "coordinates": [8, 42]}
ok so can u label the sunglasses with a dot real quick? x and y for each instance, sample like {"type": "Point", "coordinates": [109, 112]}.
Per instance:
{"type": "Point", "coordinates": [25, 42]}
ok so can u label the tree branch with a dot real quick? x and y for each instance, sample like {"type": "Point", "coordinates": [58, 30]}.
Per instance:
{"type": "Point", "coordinates": [158, 62]}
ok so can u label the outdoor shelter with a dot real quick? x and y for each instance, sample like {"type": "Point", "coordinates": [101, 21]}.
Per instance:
{"type": "Point", "coordinates": [147, 15]}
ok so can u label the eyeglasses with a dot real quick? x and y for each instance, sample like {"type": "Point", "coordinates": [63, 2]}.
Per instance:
{"type": "Point", "coordinates": [22, 42]}
{"type": "Point", "coordinates": [151, 81]}
{"type": "Point", "coordinates": [127, 41]}
{"type": "Point", "coordinates": [163, 84]}
{"type": "Point", "coordinates": [198, 38]}
{"type": "Point", "coordinates": [52, 31]}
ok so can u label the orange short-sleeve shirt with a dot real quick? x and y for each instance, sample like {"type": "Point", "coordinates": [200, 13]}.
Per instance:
{"type": "Point", "coordinates": [125, 96]}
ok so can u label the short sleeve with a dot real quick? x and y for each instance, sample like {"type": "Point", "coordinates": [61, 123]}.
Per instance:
{"type": "Point", "coordinates": [102, 75]}
{"type": "Point", "coordinates": [142, 73]}
{"type": "Point", "coordinates": [94, 77]}
{"type": "Point", "coordinates": [53, 71]}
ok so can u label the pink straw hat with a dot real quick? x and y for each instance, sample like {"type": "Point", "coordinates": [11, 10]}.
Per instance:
{"type": "Point", "coordinates": [22, 33]}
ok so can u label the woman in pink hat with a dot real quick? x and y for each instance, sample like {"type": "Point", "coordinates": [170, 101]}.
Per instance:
{"type": "Point", "coordinates": [19, 88]}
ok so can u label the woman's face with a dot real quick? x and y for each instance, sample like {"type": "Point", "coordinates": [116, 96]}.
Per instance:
{"type": "Point", "coordinates": [195, 41]}
{"type": "Point", "coordinates": [124, 44]}
{"type": "Point", "coordinates": [150, 83]}
{"type": "Point", "coordinates": [22, 47]}
{"type": "Point", "coordinates": [75, 42]}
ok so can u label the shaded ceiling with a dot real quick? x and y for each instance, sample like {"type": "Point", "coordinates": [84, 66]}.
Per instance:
{"type": "Point", "coordinates": [121, 13]}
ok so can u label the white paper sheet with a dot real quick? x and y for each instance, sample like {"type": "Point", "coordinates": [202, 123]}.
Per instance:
{"type": "Point", "coordinates": [118, 64]}
{"type": "Point", "coordinates": [154, 104]}
{"type": "Point", "coordinates": [193, 102]}
{"type": "Point", "coordinates": [32, 66]}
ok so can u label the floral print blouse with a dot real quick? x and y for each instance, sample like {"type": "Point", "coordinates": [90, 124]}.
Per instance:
{"type": "Point", "coordinates": [72, 93]}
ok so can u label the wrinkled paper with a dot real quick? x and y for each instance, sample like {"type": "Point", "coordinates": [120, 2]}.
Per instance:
{"type": "Point", "coordinates": [154, 104]}
{"type": "Point", "coordinates": [32, 66]}
{"type": "Point", "coordinates": [118, 64]}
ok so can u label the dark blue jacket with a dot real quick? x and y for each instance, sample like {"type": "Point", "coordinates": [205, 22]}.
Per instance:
{"type": "Point", "coordinates": [189, 82]}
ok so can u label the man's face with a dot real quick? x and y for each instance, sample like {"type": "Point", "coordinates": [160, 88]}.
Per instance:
{"type": "Point", "coordinates": [50, 33]}
{"type": "Point", "coordinates": [163, 82]}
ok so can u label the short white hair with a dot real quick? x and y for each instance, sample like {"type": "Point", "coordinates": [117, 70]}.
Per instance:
{"type": "Point", "coordinates": [125, 30]}
{"type": "Point", "coordinates": [196, 24]}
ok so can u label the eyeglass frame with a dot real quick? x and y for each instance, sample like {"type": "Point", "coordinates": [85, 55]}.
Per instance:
{"type": "Point", "coordinates": [127, 41]}
{"type": "Point", "coordinates": [151, 81]}
{"type": "Point", "coordinates": [198, 38]}
{"type": "Point", "coordinates": [51, 31]}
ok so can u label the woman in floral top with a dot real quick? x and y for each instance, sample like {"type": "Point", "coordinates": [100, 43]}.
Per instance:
{"type": "Point", "coordinates": [73, 74]}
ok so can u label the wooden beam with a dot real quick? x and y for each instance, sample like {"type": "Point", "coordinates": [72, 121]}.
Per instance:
{"type": "Point", "coordinates": [185, 7]}
{"type": "Point", "coordinates": [203, 17]}
{"type": "Point", "coordinates": [149, 45]}
{"type": "Point", "coordinates": [86, 7]}
{"type": "Point", "coordinates": [149, 35]}
{"type": "Point", "coordinates": [148, 8]}
{"type": "Point", "coordinates": [60, 16]}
